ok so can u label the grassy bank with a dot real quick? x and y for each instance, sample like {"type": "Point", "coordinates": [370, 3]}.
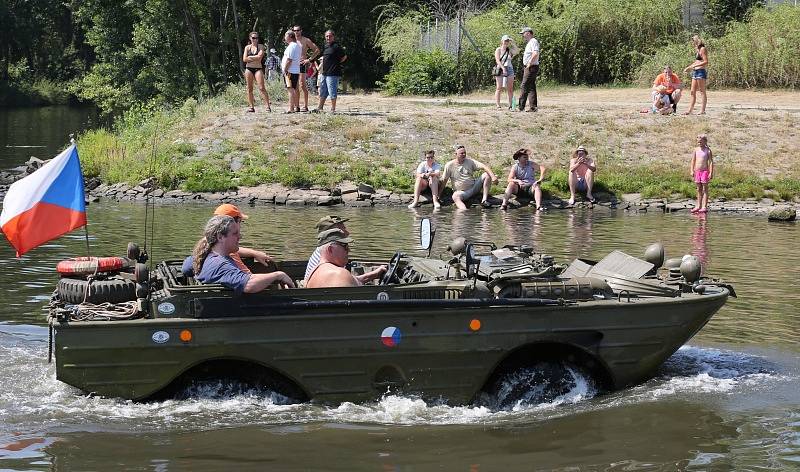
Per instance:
{"type": "Point", "coordinates": [214, 145]}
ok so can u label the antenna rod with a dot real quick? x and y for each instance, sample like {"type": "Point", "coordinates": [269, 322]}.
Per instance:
{"type": "Point", "coordinates": [86, 226]}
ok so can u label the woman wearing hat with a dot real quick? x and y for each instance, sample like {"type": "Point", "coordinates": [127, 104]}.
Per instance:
{"type": "Point", "coordinates": [581, 174]}
{"type": "Point", "coordinates": [521, 179]}
{"type": "Point", "coordinates": [505, 80]}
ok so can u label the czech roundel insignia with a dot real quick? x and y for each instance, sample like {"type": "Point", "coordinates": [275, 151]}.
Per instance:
{"type": "Point", "coordinates": [390, 337]}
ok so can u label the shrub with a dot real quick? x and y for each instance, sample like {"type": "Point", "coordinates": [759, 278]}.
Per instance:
{"type": "Point", "coordinates": [762, 52]}
{"type": "Point", "coordinates": [424, 73]}
{"type": "Point", "coordinates": [587, 42]}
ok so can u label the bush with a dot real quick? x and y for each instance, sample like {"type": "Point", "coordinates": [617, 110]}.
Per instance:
{"type": "Point", "coordinates": [424, 73]}
{"type": "Point", "coordinates": [762, 52]}
{"type": "Point", "coordinates": [587, 42]}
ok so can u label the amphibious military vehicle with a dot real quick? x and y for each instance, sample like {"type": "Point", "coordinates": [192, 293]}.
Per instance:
{"type": "Point", "coordinates": [448, 328]}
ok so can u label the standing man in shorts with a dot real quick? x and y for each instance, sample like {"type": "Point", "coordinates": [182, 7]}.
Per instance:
{"type": "Point", "coordinates": [332, 58]}
{"type": "Point", "coordinates": [306, 45]}
{"type": "Point", "coordinates": [461, 170]}
{"type": "Point", "coordinates": [291, 70]}
{"type": "Point", "coordinates": [530, 69]}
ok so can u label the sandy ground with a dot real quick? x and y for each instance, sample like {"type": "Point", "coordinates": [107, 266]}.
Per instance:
{"type": "Point", "coordinates": [753, 131]}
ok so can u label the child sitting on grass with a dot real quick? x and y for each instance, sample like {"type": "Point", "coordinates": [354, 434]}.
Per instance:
{"type": "Point", "coordinates": [661, 102]}
{"type": "Point", "coordinates": [702, 171]}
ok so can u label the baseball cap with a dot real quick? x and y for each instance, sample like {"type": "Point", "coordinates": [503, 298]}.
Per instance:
{"type": "Point", "coordinates": [505, 37]}
{"type": "Point", "coordinates": [230, 210]}
{"type": "Point", "coordinates": [581, 148]}
{"type": "Point", "coordinates": [333, 235]}
{"type": "Point", "coordinates": [527, 28]}
{"type": "Point", "coordinates": [328, 222]}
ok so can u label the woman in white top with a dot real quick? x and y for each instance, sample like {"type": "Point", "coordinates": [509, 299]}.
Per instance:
{"type": "Point", "coordinates": [502, 59]}
{"type": "Point", "coordinates": [427, 175]}
{"type": "Point", "coordinates": [521, 179]}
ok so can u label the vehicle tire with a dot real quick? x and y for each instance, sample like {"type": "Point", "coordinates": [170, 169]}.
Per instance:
{"type": "Point", "coordinates": [543, 382]}
{"type": "Point", "coordinates": [100, 291]}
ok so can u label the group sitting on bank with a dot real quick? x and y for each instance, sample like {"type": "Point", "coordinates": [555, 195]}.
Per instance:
{"type": "Point", "coordinates": [524, 179]}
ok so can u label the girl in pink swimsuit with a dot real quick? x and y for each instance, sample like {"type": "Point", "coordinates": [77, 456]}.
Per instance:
{"type": "Point", "coordinates": [702, 171]}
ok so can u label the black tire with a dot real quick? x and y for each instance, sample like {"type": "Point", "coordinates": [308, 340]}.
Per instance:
{"type": "Point", "coordinates": [542, 382]}
{"type": "Point", "coordinates": [101, 291]}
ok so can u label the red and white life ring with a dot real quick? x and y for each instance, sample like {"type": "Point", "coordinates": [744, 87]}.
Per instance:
{"type": "Point", "coordinates": [91, 265]}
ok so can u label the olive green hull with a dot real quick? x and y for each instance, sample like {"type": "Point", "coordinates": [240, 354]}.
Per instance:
{"type": "Point", "coordinates": [336, 355]}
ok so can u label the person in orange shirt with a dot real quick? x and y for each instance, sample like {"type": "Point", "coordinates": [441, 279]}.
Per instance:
{"type": "Point", "coordinates": [228, 209]}
{"type": "Point", "coordinates": [673, 86]}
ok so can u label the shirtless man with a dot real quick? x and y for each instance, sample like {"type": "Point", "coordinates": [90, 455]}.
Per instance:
{"type": "Point", "coordinates": [305, 45]}
{"type": "Point", "coordinates": [581, 174]}
{"type": "Point", "coordinates": [334, 254]}
{"type": "Point", "coordinates": [465, 185]}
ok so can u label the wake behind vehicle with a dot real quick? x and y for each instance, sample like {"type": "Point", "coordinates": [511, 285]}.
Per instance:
{"type": "Point", "coordinates": [450, 328]}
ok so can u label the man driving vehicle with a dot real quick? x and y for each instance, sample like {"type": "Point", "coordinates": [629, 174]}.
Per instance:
{"type": "Point", "coordinates": [334, 251]}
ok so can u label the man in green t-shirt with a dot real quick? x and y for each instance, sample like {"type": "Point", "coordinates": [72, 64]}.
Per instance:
{"type": "Point", "coordinates": [461, 170]}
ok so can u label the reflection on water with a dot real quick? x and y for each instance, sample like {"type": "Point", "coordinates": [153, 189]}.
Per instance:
{"type": "Point", "coordinates": [40, 131]}
{"type": "Point", "coordinates": [699, 235]}
{"type": "Point", "coordinates": [729, 401]}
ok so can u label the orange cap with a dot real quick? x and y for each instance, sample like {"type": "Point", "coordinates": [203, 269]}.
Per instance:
{"type": "Point", "coordinates": [230, 210]}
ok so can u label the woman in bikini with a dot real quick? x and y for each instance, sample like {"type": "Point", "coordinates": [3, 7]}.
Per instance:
{"type": "Point", "coordinates": [699, 74]}
{"type": "Point", "coordinates": [702, 171]}
{"type": "Point", "coordinates": [253, 59]}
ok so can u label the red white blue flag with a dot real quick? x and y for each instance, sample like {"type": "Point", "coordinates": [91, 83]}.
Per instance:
{"type": "Point", "coordinates": [46, 204]}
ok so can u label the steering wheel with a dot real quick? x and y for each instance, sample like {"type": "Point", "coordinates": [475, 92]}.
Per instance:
{"type": "Point", "coordinates": [390, 271]}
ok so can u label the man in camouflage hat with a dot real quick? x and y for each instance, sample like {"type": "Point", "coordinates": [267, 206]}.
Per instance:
{"type": "Point", "coordinates": [325, 223]}
{"type": "Point", "coordinates": [334, 250]}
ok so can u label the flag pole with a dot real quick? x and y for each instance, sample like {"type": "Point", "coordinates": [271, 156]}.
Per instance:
{"type": "Point", "coordinates": [86, 226]}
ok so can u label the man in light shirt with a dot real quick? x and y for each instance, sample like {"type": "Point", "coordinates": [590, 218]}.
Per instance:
{"type": "Point", "coordinates": [530, 69]}
{"type": "Point", "coordinates": [291, 70]}
{"type": "Point", "coordinates": [461, 170]}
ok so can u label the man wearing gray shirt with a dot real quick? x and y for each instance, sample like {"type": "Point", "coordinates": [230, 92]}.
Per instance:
{"type": "Point", "coordinates": [530, 68]}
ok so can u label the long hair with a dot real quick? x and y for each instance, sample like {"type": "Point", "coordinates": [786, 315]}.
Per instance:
{"type": "Point", "coordinates": [217, 226]}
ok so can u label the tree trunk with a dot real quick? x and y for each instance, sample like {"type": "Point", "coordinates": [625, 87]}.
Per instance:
{"type": "Point", "coordinates": [197, 47]}
{"type": "Point", "coordinates": [238, 38]}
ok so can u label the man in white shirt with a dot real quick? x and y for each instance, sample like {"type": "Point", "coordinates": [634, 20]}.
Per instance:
{"type": "Point", "coordinates": [291, 70]}
{"type": "Point", "coordinates": [530, 68]}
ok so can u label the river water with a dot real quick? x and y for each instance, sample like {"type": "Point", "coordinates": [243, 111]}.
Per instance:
{"type": "Point", "coordinates": [729, 400]}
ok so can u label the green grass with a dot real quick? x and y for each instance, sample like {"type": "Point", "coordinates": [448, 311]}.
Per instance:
{"type": "Point", "coordinates": [326, 149]}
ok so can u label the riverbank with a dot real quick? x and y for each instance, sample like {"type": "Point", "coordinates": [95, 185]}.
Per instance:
{"type": "Point", "coordinates": [217, 146]}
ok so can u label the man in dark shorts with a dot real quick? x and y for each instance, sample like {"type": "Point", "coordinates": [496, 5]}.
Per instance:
{"type": "Point", "coordinates": [332, 58]}
{"type": "Point", "coordinates": [305, 45]}
{"type": "Point", "coordinates": [291, 70]}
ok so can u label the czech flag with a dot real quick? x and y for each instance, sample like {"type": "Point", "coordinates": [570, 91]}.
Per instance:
{"type": "Point", "coordinates": [46, 204]}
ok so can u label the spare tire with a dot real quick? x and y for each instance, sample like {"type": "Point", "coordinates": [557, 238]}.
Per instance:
{"type": "Point", "coordinates": [100, 291]}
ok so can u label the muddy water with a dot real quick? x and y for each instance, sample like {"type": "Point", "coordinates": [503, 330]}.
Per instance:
{"type": "Point", "coordinates": [730, 399]}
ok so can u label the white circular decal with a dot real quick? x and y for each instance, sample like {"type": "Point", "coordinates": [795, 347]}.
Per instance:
{"type": "Point", "coordinates": [166, 308]}
{"type": "Point", "coordinates": [160, 337]}
{"type": "Point", "coordinates": [383, 296]}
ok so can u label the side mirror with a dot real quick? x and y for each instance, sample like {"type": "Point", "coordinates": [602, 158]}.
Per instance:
{"type": "Point", "coordinates": [426, 233]}
{"type": "Point", "coordinates": [471, 261]}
